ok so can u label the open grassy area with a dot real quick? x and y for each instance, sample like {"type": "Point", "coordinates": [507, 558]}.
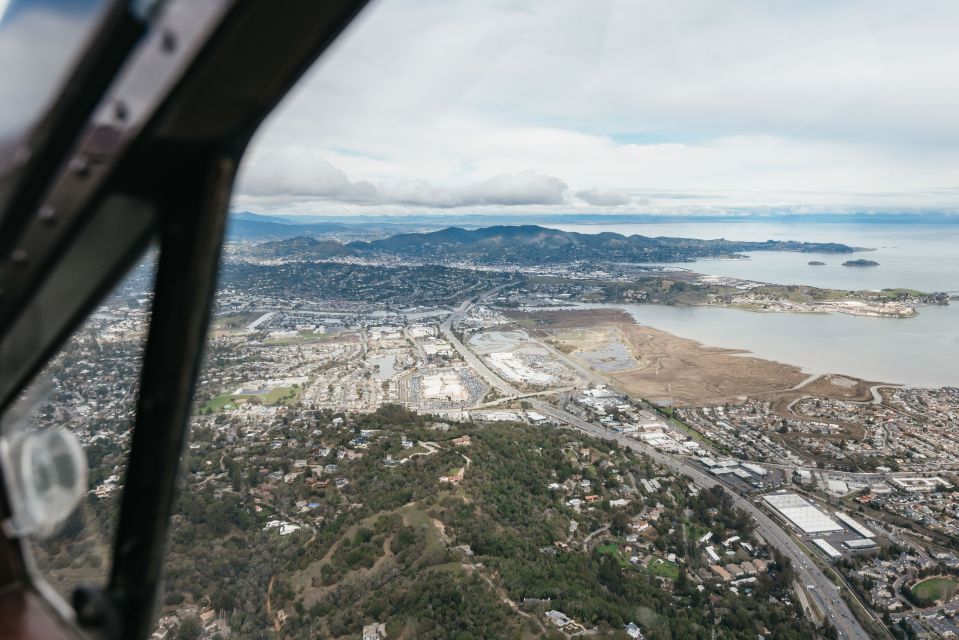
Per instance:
{"type": "Point", "coordinates": [282, 395]}
{"type": "Point", "coordinates": [936, 588]}
{"type": "Point", "coordinates": [300, 338]}
{"type": "Point", "coordinates": [235, 320]}
{"type": "Point", "coordinates": [279, 395]}
{"type": "Point", "coordinates": [665, 568]}
{"type": "Point", "coordinates": [613, 550]}
{"type": "Point", "coordinates": [218, 403]}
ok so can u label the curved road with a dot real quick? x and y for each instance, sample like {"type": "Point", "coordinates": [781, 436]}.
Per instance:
{"type": "Point", "coordinates": [820, 589]}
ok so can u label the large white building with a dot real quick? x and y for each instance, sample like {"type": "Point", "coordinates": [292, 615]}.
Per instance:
{"type": "Point", "coordinates": [855, 525]}
{"type": "Point", "coordinates": [801, 513]}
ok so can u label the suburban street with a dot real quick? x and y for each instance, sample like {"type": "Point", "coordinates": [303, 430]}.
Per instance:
{"type": "Point", "coordinates": [820, 589]}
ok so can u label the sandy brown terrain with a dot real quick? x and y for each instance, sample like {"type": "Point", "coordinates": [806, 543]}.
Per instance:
{"type": "Point", "coordinates": [568, 318]}
{"type": "Point", "coordinates": [682, 370]}
{"type": "Point", "coordinates": [840, 387]}
{"type": "Point", "coordinates": [687, 372]}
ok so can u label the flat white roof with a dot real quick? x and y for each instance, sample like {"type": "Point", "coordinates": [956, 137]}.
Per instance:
{"type": "Point", "coordinates": [801, 513]}
{"type": "Point", "coordinates": [860, 543]}
{"type": "Point", "coordinates": [755, 468]}
{"type": "Point", "coordinates": [854, 525]}
{"type": "Point", "coordinates": [827, 548]}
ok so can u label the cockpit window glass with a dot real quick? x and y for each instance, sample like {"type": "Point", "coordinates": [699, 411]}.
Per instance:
{"type": "Point", "coordinates": [39, 41]}
{"type": "Point", "coordinates": [66, 442]}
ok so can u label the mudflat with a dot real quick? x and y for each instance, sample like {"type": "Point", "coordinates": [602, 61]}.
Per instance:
{"type": "Point", "coordinates": [687, 372]}
{"type": "Point", "coordinates": [666, 367]}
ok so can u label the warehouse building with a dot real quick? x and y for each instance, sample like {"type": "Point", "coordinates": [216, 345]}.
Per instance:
{"type": "Point", "coordinates": [801, 513]}
{"type": "Point", "coordinates": [859, 544]}
{"type": "Point", "coordinates": [854, 525]}
{"type": "Point", "coordinates": [827, 548]}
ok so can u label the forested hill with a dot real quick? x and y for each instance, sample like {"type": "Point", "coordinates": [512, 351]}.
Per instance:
{"type": "Point", "coordinates": [470, 531]}
{"type": "Point", "coordinates": [532, 245]}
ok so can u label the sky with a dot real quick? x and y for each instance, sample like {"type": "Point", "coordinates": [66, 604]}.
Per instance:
{"type": "Point", "coordinates": [38, 41]}
{"type": "Point", "coordinates": [636, 106]}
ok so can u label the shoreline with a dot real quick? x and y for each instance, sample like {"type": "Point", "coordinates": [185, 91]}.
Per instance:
{"type": "Point", "coordinates": [821, 308]}
{"type": "Point", "coordinates": [819, 359]}
{"type": "Point", "coordinates": [674, 370]}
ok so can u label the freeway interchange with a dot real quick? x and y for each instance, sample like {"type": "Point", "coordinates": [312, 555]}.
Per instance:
{"type": "Point", "coordinates": [819, 588]}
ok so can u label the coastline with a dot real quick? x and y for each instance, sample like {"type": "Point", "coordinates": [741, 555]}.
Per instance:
{"type": "Point", "coordinates": [848, 307]}
{"type": "Point", "coordinates": [916, 354]}
{"type": "Point", "coordinates": [679, 371]}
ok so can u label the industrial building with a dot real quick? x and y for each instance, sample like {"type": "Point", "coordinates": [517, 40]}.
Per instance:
{"type": "Point", "coordinates": [854, 525]}
{"type": "Point", "coordinates": [859, 544]}
{"type": "Point", "coordinates": [801, 513]}
{"type": "Point", "coordinates": [827, 548]}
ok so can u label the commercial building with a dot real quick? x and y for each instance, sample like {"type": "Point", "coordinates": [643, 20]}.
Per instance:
{"type": "Point", "coordinates": [919, 484]}
{"type": "Point", "coordinates": [854, 525]}
{"type": "Point", "coordinates": [827, 548]}
{"type": "Point", "coordinates": [859, 544]}
{"type": "Point", "coordinates": [801, 513]}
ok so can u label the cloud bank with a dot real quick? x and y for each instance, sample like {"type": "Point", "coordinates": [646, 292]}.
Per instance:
{"type": "Point", "coordinates": [552, 105]}
{"type": "Point", "coordinates": [301, 174]}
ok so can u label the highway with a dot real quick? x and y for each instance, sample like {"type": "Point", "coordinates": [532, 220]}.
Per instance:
{"type": "Point", "coordinates": [820, 589]}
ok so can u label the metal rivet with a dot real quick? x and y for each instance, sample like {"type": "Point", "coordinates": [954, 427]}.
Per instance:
{"type": "Point", "coordinates": [168, 41]}
{"type": "Point", "coordinates": [47, 215]}
{"type": "Point", "coordinates": [80, 167]}
{"type": "Point", "coordinates": [120, 111]}
{"type": "Point", "coordinates": [19, 257]}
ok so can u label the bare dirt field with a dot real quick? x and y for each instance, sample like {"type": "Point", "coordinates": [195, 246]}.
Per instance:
{"type": "Point", "coordinates": [568, 318]}
{"type": "Point", "coordinates": [840, 387]}
{"type": "Point", "coordinates": [680, 370]}
{"type": "Point", "coordinates": [687, 372]}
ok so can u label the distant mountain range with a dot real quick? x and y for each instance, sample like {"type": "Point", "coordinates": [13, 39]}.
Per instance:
{"type": "Point", "coordinates": [530, 245]}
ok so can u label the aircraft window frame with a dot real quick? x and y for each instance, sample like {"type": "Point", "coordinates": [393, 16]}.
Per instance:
{"type": "Point", "coordinates": [188, 222]}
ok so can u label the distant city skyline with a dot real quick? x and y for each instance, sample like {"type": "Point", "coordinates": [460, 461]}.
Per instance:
{"type": "Point", "coordinates": [620, 107]}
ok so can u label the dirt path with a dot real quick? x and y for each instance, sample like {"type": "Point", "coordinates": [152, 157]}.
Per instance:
{"type": "Point", "coordinates": [501, 592]}
{"type": "Point", "coordinates": [277, 623]}
{"type": "Point", "coordinates": [269, 607]}
{"type": "Point", "coordinates": [431, 448]}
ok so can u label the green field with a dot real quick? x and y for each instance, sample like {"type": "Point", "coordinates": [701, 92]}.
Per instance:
{"type": "Point", "coordinates": [936, 588]}
{"type": "Point", "coordinates": [235, 320]}
{"type": "Point", "coordinates": [300, 338]}
{"type": "Point", "coordinates": [665, 568]}
{"type": "Point", "coordinates": [218, 403]}
{"type": "Point", "coordinates": [279, 395]}
{"type": "Point", "coordinates": [613, 550]}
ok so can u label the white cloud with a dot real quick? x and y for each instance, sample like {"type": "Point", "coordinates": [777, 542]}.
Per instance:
{"type": "Point", "coordinates": [523, 188]}
{"type": "Point", "coordinates": [728, 103]}
{"type": "Point", "coordinates": [295, 171]}
{"type": "Point", "coordinates": [301, 175]}
{"type": "Point", "coordinates": [610, 198]}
